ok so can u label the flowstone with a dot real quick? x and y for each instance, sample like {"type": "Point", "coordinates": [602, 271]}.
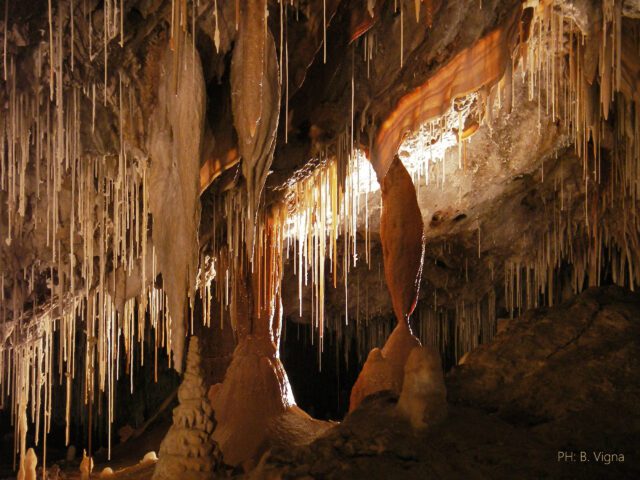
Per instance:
{"type": "Point", "coordinates": [188, 451]}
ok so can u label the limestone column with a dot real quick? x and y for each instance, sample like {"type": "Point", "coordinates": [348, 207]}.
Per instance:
{"type": "Point", "coordinates": [403, 241]}
{"type": "Point", "coordinates": [254, 405]}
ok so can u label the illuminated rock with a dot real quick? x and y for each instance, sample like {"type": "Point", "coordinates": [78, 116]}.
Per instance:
{"type": "Point", "coordinates": [254, 404]}
{"type": "Point", "coordinates": [384, 369]}
{"type": "Point", "coordinates": [402, 238]}
{"type": "Point", "coordinates": [28, 469]}
{"type": "Point", "coordinates": [107, 472]}
{"type": "Point", "coordinates": [176, 129]}
{"type": "Point", "coordinates": [86, 466]}
{"type": "Point", "coordinates": [256, 105]}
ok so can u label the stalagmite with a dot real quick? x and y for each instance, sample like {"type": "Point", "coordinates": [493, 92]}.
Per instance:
{"type": "Point", "coordinates": [423, 399]}
{"type": "Point", "coordinates": [255, 397]}
{"type": "Point", "coordinates": [107, 472]}
{"type": "Point", "coordinates": [28, 469]}
{"type": "Point", "coordinates": [150, 457]}
{"type": "Point", "coordinates": [86, 466]}
{"type": "Point", "coordinates": [188, 450]}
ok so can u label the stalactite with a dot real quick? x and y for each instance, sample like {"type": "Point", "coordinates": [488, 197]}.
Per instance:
{"type": "Point", "coordinates": [44, 131]}
{"type": "Point", "coordinates": [324, 31]}
{"type": "Point", "coordinates": [255, 104]}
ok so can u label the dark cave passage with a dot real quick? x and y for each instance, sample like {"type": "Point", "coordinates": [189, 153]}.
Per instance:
{"type": "Point", "coordinates": [325, 393]}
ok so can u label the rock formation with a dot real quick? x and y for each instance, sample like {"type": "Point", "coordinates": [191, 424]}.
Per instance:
{"type": "Point", "coordinates": [188, 451]}
{"type": "Point", "coordinates": [384, 368]}
{"type": "Point", "coordinates": [146, 144]}
{"type": "Point", "coordinates": [423, 399]}
{"type": "Point", "coordinates": [255, 397]}
{"type": "Point", "coordinates": [256, 105]}
{"type": "Point", "coordinates": [86, 466]}
{"type": "Point", "coordinates": [175, 135]}
{"type": "Point", "coordinates": [565, 375]}
{"type": "Point", "coordinates": [583, 364]}
{"type": "Point", "coordinates": [107, 472]}
{"type": "Point", "coordinates": [402, 238]}
{"type": "Point", "coordinates": [28, 468]}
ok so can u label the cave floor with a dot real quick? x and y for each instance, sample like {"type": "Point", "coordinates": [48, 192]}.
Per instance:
{"type": "Point", "coordinates": [373, 443]}
{"type": "Point", "coordinates": [564, 379]}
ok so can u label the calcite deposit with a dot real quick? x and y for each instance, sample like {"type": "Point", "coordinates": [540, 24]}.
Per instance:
{"type": "Point", "coordinates": [189, 451]}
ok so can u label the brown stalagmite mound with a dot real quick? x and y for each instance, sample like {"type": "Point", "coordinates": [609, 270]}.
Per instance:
{"type": "Point", "coordinates": [423, 400]}
{"type": "Point", "coordinates": [255, 389]}
{"type": "Point", "coordinates": [384, 369]}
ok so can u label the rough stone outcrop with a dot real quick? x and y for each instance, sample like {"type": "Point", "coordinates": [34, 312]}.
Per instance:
{"type": "Point", "coordinates": [551, 363]}
{"type": "Point", "coordinates": [188, 452]}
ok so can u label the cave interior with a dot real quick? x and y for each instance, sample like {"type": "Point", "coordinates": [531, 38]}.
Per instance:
{"type": "Point", "coordinates": [319, 239]}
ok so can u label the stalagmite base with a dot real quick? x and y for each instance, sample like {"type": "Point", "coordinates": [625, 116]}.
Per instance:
{"type": "Point", "coordinates": [255, 398]}
{"type": "Point", "coordinates": [384, 368]}
{"type": "Point", "coordinates": [28, 468]}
